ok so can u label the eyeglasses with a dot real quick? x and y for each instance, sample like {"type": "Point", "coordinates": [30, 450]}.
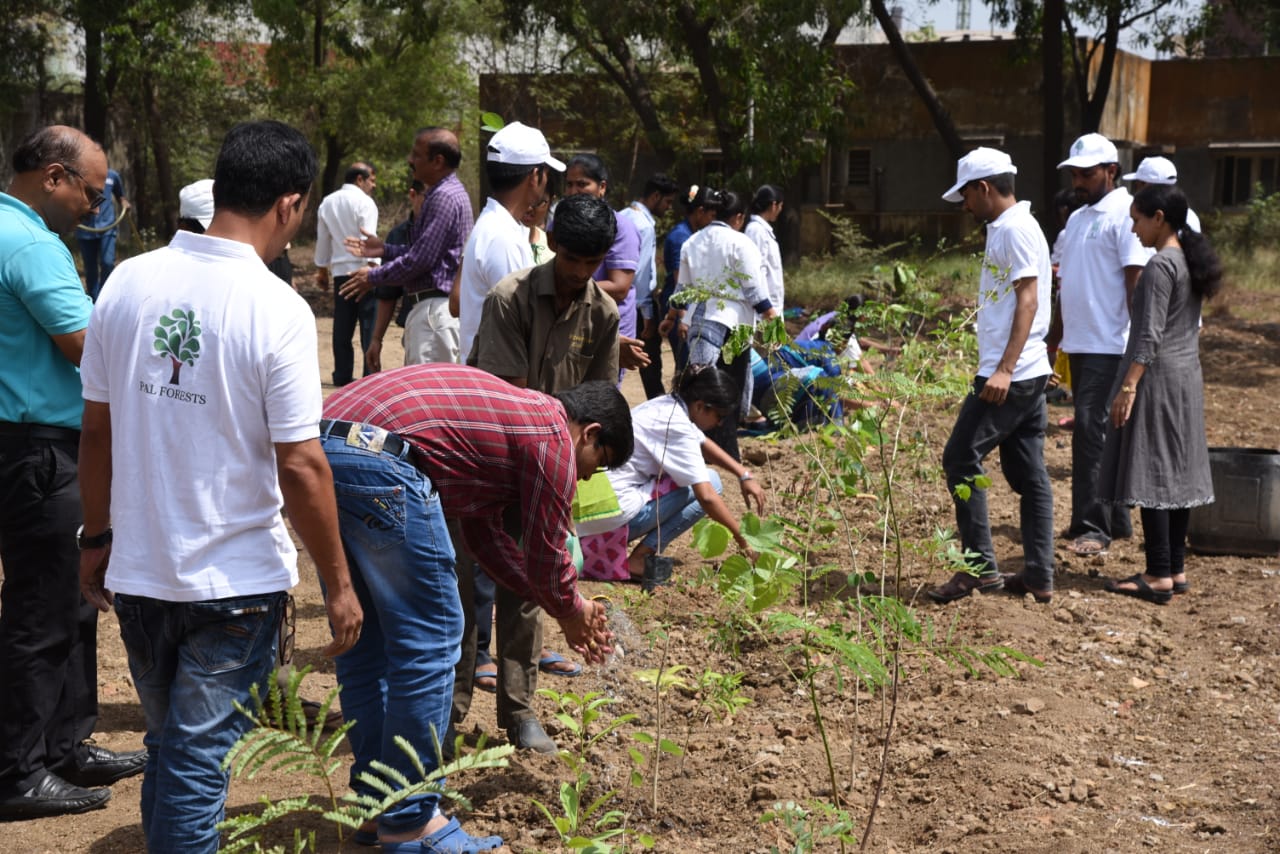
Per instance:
{"type": "Point", "coordinates": [98, 197]}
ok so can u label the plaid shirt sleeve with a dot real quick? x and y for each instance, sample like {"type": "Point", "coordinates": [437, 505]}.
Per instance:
{"type": "Point", "coordinates": [548, 478]}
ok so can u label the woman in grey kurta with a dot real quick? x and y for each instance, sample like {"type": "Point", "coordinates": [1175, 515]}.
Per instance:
{"type": "Point", "coordinates": [1156, 457]}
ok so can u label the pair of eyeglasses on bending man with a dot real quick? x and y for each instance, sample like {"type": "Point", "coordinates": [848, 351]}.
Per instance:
{"type": "Point", "coordinates": [97, 197]}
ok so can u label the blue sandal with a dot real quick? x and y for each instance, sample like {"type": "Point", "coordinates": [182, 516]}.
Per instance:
{"type": "Point", "coordinates": [450, 839]}
{"type": "Point", "coordinates": [547, 665]}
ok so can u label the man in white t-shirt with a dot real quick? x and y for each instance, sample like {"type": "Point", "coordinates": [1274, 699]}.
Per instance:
{"type": "Point", "coordinates": [1159, 170]}
{"type": "Point", "coordinates": [201, 419]}
{"type": "Point", "coordinates": [1006, 408]}
{"type": "Point", "coordinates": [516, 166]}
{"type": "Point", "coordinates": [1100, 264]}
{"type": "Point", "coordinates": [349, 210]}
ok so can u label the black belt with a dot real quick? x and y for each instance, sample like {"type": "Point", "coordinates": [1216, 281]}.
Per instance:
{"type": "Point", "coordinates": [10, 430]}
{"type": "Point", "coordinates": [393, 444]}
{"type": "Point", "coordinates": [418, 296]}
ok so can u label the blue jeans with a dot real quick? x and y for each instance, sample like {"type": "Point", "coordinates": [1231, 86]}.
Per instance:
{"type": "Point", "coordinates": [398, 678]}
{"type": "Point", "coordinates": [1016, 427]}
{"type": "Point", "coordinates": [189, 662]}
{"type": "Point", "coordinates": [663, 519]}
{"type": "Point", "coordinates": [99, 254]}
{"type": "Point", "coordinates": [1092, 376]}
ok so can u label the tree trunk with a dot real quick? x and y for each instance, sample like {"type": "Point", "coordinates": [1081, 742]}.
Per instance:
{"type": "Point", "coordinates": [1095, 102]}
{"type": "Point", "coordinates": [95, 101]}
{"type": "Point", "coordinates": [627, 76]}
{"type": "Point", "coordinates": [165, 190]}
{"type": "Point", "coordinates": [1052, 96]}
{"type": "Point", "coordinates": [697, 38]}
{"type": "Point", "coordinates": [941, 117]}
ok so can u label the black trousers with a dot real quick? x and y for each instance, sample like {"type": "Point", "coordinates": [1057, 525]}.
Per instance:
{"type": "Point", "coordinates": [48, 632]}
{"type": "Point", "coordinates": [347, 315]}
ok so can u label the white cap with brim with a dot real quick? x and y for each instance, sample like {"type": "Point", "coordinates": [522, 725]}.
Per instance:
{"type": "Point", "coordinates": [195, 201]}
{"type": "Point", "coordinates": [1155, 170]}
{"type": "Point", "coordinates": [521, 145]}
{"type": "Point", "coordinates": [1091, 150]}
{"type": "Point", "coordinates": [977, 164]}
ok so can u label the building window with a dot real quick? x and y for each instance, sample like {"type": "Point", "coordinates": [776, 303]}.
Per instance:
{"type": "Point", "coordinates": [1239, 174]}
{"type": "Point", "coordinates": [859, 167]}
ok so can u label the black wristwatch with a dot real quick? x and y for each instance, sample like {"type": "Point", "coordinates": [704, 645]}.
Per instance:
{"type": "Point", "coordinates": [96, 542]}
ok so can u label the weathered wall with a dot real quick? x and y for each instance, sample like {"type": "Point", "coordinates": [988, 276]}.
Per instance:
{"type": "Point", "coordinates": [1197, 102]}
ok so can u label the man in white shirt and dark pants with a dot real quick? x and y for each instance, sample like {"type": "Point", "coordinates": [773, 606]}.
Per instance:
{"type": "Point", "coordinates": [1101, 261]}
{"type": "Point", "coordinates": [201, 420]}
{"type": "Point", "coordinates": [348, 212]}
{"type": "Point", "coordinates": [1006, 408]}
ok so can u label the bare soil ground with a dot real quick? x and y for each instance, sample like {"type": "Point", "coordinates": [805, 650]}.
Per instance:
{"type": "Point", "coordinates": [1146, 728]}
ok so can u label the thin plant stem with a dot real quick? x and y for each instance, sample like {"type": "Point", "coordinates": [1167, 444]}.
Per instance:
{"type": "Point", "coordinates": [884, 753]}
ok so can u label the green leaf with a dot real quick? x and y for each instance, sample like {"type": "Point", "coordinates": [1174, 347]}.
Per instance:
{"type": "Point", "coordinates": [710, 538]}
{"type": "Point", "coordinates": [491, 122]}
{"type": "Point", "coordinates": [982, 481]}
{"type": "Point", "coordinates": [962, 491]}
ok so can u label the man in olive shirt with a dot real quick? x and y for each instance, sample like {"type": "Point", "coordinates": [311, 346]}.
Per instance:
{"type": "Point", "coordinates": [547, 328]}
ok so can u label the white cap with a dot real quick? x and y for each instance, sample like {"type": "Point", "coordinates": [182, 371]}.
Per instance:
{"type": "Point", "coordinates": [1155, 170]}
{"type": "Point", "coordinates": [195, 201]}
{"type": "Point", "coordinates": [1091, 150]}
{"type": "Point", "coordinates": [522, 145]}
{"type": "Point", "coordinates": [979, 163]}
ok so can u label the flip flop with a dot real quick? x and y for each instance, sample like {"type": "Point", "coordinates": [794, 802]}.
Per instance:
{"type": "Point", "coordinates": [1180, 587]}
{"type": "Point", "coordinates": [1143, 590]}
{"type": "Point", "coordinates": [547, 665]}
{"type": "Point", "coordinates": [1087, 547]}
{"type": "Point", "coordinates": [490, 687]}
{"type": "Point", "coordinates": [450, 839]}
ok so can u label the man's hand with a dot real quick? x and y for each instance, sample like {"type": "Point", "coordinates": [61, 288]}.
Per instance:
{"type": "Point", "coordinates": [357, 286]}
{"type": "Point", "coordinates": [93, 576]}
{"type": "Point", "coordinates": [631, 354]}
{"type": "Point", "coordinates": [668, 323]}
{"type": "Point", "coordinates": [770, 314]}
{"type": "Point", "coordinates": [996, 389]}
{"type": "Point", "coordinates": [369, 245]}
{"type": "Point", "coordinates": [322, 278]}
{"type": "Point", "coordinates": [752, 491]}
{"type": "Point", "coordinates": [373, 356]}
{"type": "Point", "coordinates": [650, 329]}
{"type": "Point", "coordinates": [346, 618]}
{"type": "Point", "coordinates": [588, 633]}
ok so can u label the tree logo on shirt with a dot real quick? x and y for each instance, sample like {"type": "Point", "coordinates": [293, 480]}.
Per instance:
{"type": "Point", "coordinates": [178, 337]}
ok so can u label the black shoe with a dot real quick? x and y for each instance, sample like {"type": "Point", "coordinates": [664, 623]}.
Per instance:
{"type": "Point", "coordinates": [962, 584]}
{"type": "Point", "coordinates": [101, 767]}
{"type": "Point", "coordinates": [52, 796]}
{"type": "Point", "coordinates": [529, 735]}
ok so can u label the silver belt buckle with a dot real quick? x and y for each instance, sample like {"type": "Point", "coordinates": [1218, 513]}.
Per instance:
{"type": "Point", "coordinates": [367, 437]}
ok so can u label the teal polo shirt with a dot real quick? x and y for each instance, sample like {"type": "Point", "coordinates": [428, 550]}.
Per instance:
{"type": "Point", "coordinates": [40, 296]}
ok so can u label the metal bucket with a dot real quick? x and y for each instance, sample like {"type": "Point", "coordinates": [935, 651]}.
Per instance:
{"type": "Point", "coordinates": [1245, 516]}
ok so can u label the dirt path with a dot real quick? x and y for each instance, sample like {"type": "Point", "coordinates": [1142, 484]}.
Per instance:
{"type": "Point", "coordinates": [1146, 728]}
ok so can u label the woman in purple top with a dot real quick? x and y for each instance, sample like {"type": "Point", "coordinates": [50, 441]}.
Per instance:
{"type": "Point", "coordinates": [587, 174]}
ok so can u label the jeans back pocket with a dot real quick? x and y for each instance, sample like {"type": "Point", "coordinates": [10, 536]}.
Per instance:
{"type": "Point", "coordinates": [372, 515]}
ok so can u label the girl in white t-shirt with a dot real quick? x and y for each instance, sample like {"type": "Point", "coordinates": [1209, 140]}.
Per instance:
{"type": "Point", "coordinates": [669, 442]}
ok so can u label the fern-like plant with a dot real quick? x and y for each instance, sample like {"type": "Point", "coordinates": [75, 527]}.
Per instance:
{"type": "Point", "coordinates": [282, 740]}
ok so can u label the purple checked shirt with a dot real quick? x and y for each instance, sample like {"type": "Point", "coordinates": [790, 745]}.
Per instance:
{"type": "Point", "coordinates": [430, 260]}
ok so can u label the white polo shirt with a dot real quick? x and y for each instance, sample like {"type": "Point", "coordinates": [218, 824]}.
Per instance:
{"type": "Point", "coordinates": [207, 360]}
{"type": "Point", "coordinates": [343, 214]}
{"type": "Point", "coordinates": [725, 261]}
{"type": "Point", "coordinates": [497, 247]}
{"type": "Point", "coordinates": [1016, 249]}
{"type": "Point", "coordinates": [1097, 244]}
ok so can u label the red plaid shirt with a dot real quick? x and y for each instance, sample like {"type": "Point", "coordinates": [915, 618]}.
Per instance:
{"type": "Point", "coordinates": [485, 444]}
